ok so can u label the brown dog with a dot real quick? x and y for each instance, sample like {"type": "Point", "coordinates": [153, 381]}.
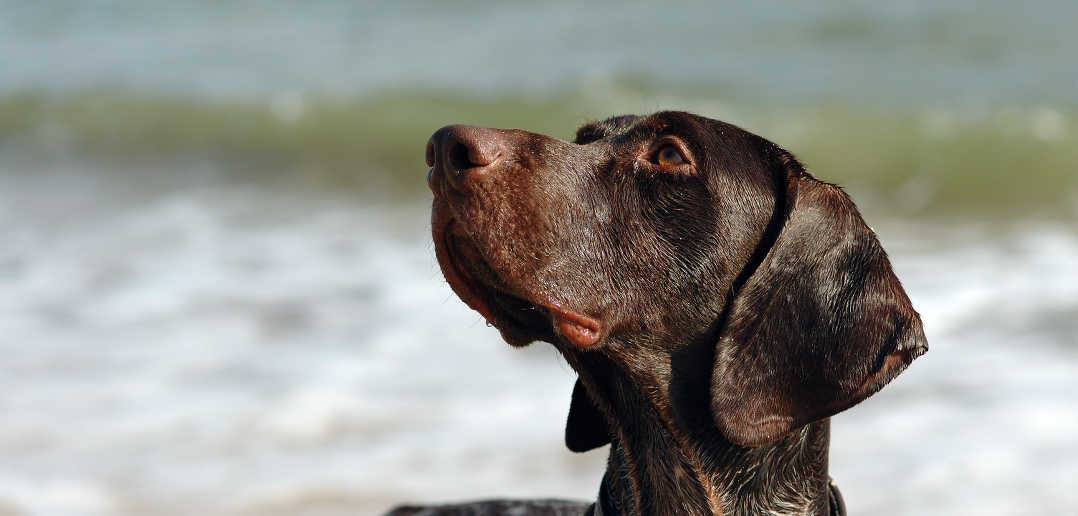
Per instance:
{"type": "Point", "coordinates": [718, 302]}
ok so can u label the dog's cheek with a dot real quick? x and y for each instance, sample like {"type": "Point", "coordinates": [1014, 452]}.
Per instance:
{"type": "Point", "coordinates": [684, 219]}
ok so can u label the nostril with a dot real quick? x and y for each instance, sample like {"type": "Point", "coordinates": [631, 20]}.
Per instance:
{"type": "Point", "coordinates": [461, 154]}
{"type": "Point", "coordinates": [459, 158]}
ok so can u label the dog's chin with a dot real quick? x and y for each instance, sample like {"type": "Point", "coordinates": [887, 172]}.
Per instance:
{"type": "Point", "coordinates": [512, 337]}
{"type": "Point", "coordinates": [519, 320]}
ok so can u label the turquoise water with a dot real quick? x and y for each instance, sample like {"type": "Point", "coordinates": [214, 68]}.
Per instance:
{"type": "Point", "coordinates": [922, 108]}
{"type": "Point", "coordinates": [895, 54]}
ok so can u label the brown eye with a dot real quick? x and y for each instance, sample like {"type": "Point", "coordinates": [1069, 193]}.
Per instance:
{"type": "Point", "coordinates": [669, 156]}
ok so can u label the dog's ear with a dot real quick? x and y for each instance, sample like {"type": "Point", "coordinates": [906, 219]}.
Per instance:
{"type": "Point", "coordinates": [585, 428]}
{"type": "Point", "coordinates": [820, 325]}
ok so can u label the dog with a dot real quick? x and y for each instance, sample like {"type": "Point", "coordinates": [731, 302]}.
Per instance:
{"type": "Point", "coordinates": [718, 303]}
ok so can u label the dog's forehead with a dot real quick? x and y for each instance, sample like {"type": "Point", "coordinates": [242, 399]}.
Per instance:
{"type": "Point", "coordinates": [600, 129]}
{"type": "Point", "coordinates": [626, 128]}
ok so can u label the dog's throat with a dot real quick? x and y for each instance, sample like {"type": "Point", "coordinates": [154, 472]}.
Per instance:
{"type": "Point", "coordinates": [658, 465]}
{"type": "Point", "coordinates": [653, 469]}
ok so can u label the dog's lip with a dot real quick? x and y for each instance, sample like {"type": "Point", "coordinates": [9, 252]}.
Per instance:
{"type": "Point", "coordinates": [520, 319]}
{"type": "Point", "coordinates": [579, 329]}
{"type": "Point", "coordinates": [456, 274]}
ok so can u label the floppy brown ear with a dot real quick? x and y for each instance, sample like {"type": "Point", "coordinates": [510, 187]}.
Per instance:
{"type": "Point", "coordinates": [585, 428]}
{"type": "Point", "coordinates": [820, 325]}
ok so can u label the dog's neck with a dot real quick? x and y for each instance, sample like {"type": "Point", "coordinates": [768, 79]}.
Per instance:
{"type": "Point", "coordinates": [666, 456]}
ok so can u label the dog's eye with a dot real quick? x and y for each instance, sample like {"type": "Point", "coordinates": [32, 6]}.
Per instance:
{"type": "Point", "coordinates": [668, 156]}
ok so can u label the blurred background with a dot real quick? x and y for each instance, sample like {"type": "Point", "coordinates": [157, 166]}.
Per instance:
{"type": "Point", "coordinates": [218, 293]}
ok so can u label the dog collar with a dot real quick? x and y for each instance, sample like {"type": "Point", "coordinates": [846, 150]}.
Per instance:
{"type": "Point", "coordinates": [837, 506]}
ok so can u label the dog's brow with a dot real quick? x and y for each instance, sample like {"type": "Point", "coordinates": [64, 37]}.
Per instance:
{"type": "Point", "coordinates": [642, 129]}
{"type": "Point", "coordinates": [615, 126]}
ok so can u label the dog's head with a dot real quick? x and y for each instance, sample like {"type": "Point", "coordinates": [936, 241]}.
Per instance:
{"type": "Point", "coordinates": [659, 230]}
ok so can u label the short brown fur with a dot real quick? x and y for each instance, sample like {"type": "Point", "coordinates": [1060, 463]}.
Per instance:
{"type": "Point", "coordinates": [719, 305]}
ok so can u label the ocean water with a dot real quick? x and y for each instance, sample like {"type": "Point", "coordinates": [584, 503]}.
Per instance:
{"type": "Point", "coordinates": [895, 53]}
{"type": "Point", "coordinates": [218, 293]}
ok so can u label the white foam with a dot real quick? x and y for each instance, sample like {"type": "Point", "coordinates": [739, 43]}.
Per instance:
{"type": "Point", "coordinates": [230, 349]}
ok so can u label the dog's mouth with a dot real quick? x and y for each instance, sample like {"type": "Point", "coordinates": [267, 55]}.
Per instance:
{"type": "Point", "coordinates": [520, 320]}
{"type": "Point", "coordinates": [471, 277]}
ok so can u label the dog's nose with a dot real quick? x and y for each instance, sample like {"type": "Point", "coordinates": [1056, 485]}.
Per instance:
{"type": "Point", "coordinates": [462, 154]}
